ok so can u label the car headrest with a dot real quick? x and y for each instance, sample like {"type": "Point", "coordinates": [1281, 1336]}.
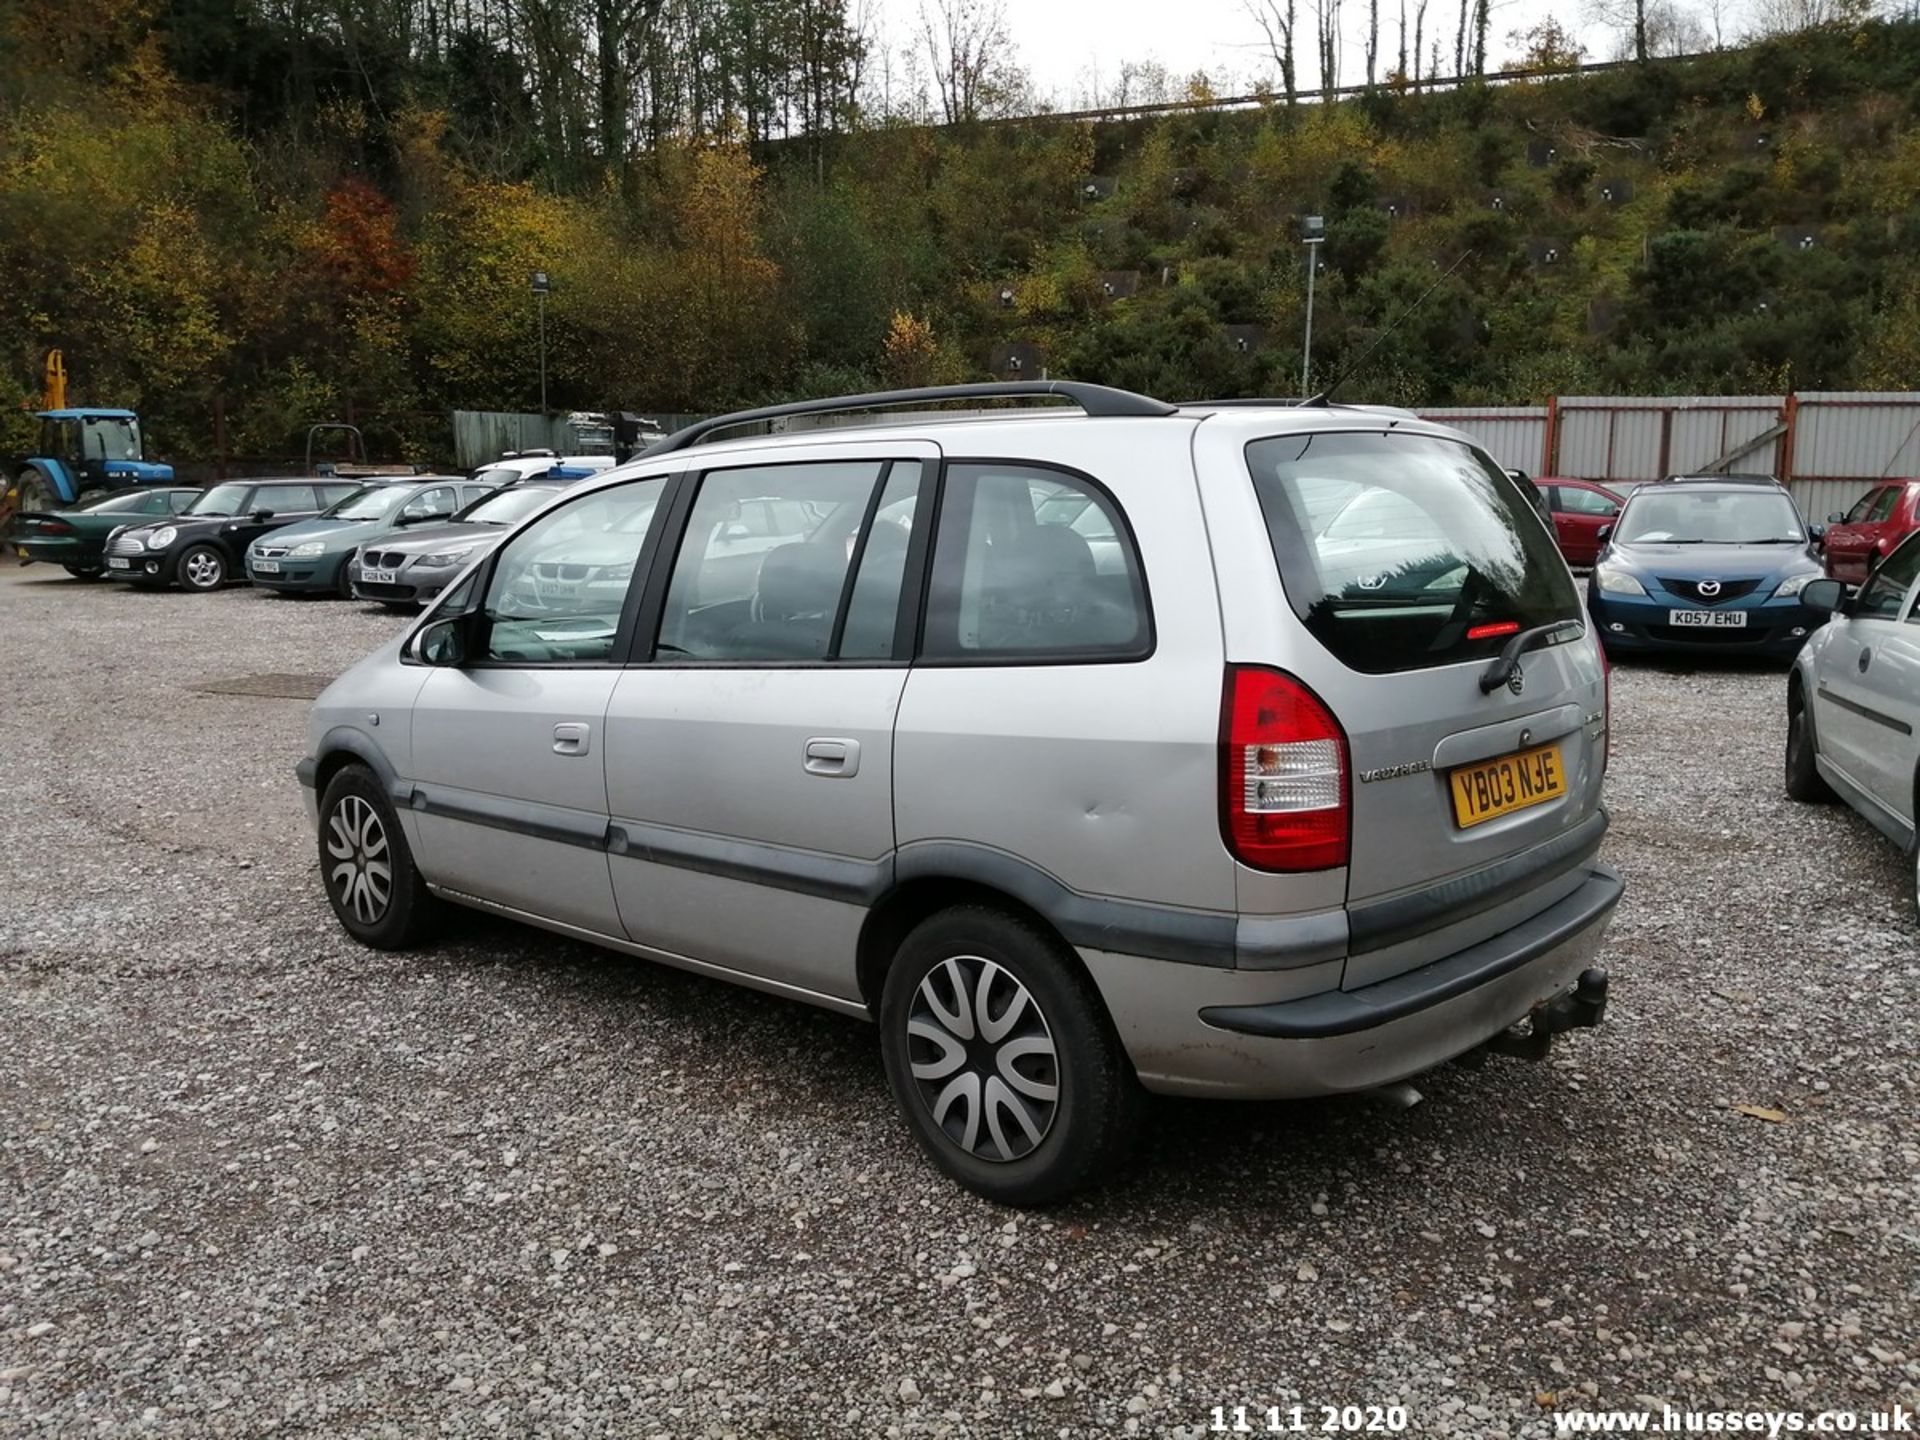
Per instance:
{"type": "Point", "coordinates": [799, 579]}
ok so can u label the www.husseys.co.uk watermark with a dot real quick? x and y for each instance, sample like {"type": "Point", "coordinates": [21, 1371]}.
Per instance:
{"type": "Point", "coordinates": [1897, 1420]}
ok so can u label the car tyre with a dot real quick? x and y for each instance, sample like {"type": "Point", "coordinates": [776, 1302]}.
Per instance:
{"type": "Point", "coordinates": [201, 567]}
{"type": "Point", "coordinates": [377, 893]}
{"type": "Point", "coordinates": [1002, 1058]}
{"type": "Point", "coordinates": [1804, 781]}
{"type": "Point", "coordinates": [85, 572]}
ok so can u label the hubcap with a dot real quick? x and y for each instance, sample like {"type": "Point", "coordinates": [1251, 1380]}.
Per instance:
{"type": "Point", "coordinates": [359, 869]}
{"type": "Point", "coordinates": [983, 1058]}
{"type": "Point", "coordinates": [203, 570]}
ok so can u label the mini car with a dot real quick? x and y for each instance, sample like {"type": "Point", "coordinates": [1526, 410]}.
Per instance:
{"type": "Point", "coordinates": [201, 547]}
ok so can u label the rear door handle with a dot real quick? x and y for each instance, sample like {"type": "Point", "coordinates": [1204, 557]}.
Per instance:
{"type": "Point", "coordinates": [572, 737]}
{"type": "Point", "coordinates": [831, 756]}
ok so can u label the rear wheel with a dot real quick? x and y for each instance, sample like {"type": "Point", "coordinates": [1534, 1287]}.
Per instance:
{"type": "Point", "coordinates": [1804, 781]}
{"type": "Point", "coordinates": [202, 567]}
{"type": "Point", "coordinates": [85, 572]}
{"type": "Point", "coordinates": [1002, 1058]}
{"type": "Point", "coordinates": [377, 894]}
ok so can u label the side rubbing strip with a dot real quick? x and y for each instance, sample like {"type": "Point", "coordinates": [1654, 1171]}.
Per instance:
{"type": "Point", "coordinates": [496, 812]}
{"type": "Point", "coordinates": [805, 872]}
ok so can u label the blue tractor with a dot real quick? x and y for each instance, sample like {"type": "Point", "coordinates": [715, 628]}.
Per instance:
{"type": "Point", "coordinates": [83, 450]}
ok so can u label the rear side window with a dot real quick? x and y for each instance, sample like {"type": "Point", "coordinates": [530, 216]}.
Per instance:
{"type": "Point", "coordinates": [1033, 563]}
{"type": "Point", "coordinates": [765, 561]}
{"type": "Point", "coordinates": [1431, 555]}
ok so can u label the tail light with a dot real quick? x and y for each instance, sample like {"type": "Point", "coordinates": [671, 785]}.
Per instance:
{"type": "Point", "coordinates": [1284, 791]}
{"type": "Point", "coordinates": [52, 527]}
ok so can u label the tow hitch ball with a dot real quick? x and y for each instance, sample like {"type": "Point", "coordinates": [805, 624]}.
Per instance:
{"type": "Point", "coordinates": [1578, 1009]}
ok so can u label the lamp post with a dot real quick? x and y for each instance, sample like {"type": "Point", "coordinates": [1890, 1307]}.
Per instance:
{"type": "Point", "coordinates": [1313, 234]}
{"type": "Point", "coordinates": [540, 288]}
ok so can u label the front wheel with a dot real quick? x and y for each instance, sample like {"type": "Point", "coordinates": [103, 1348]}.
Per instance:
{"type": "Point", "coordinates": [202, 568]}
{"type": "Point", "coordinates": [377, 894]}
{"type": "Point", "coordinates": [1804, 781]}
{"type": "Point", "coordinates": [85, 572]}
{"type": "Point", "coordinates": [1002, 1058]}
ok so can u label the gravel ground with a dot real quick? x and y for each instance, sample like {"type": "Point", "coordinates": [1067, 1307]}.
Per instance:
{"type": "Point", "coordinates": [260, 1181]}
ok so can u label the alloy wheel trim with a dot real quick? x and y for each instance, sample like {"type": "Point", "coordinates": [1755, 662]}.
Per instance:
{"type": "Point", "coordinates": [203, 570]}
{"type": "Point", "coordinates": [359, 863]}
{"type": "Point", "coordinates": [983, 1059]}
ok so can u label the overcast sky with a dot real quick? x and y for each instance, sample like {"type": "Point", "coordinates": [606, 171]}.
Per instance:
{"type": "Point", "coordinates": [1064, 44]}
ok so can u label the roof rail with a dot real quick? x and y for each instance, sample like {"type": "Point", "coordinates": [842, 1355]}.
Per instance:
{"type": "Point", "coordinates": [1293, 402]}
{"type": "Point", "coordinates": [1099, 400]}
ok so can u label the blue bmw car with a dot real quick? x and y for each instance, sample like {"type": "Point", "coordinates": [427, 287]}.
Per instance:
{"type": "Point", "coordinates": [1706, 564]}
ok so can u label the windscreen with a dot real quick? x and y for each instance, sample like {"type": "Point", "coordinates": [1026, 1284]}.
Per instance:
{"type": "Point", "coordinates": [374, 503]}
{"type": "Point", "coordinates": [1661, 516]}
{"type": "Point", "coordinates": [507, 506]}
{"type": "Point", "coordinates": [113, 438]}
{"type": "Point", "coordinates": [220, 500]}
{"type": "Point", "coordinates": [498, 475]}
{"type": "Point", "coordinates": [1401, 552]}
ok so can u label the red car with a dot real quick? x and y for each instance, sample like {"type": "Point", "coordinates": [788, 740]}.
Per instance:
{"type": "Point", "coordinates": [1580, 508]}
{"type": "Point", "coordinates": [1879, 520]}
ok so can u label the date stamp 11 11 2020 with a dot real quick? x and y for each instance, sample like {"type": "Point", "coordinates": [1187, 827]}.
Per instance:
{"type": "Point", "coordinates": [1308, 1420]}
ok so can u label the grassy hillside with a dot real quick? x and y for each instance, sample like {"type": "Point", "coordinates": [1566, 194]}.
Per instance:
{"type": "Point", "coordinates": [1743, 222]}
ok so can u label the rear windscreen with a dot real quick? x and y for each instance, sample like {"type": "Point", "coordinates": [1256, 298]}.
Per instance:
{"type": "Point", "coordinates": [1400, 552]}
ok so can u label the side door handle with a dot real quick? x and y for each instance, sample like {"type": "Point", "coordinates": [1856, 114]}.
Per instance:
{"type": "Point", "coordinates": [1866, 658]}
{"type": "Point", "coordinates": [831, 756]}
{"type": "Point", "coordinates": [572, 737]}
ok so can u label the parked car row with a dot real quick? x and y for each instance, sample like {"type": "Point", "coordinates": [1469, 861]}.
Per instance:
{"type": "Point", "coordinates": [296, 535]}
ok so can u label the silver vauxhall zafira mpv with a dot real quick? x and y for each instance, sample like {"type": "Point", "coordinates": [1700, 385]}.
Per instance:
{"type": "Point", "coordinates": [1220, 749]}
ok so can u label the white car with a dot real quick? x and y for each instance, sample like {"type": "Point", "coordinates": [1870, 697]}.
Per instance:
{"type": "Point", "coordinates": [510, 469]}
{"type": "Point", "coordinates": [1853, 700]}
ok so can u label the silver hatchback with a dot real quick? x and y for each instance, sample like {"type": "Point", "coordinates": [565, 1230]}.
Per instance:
{"type": "Point", "coordinates": [1853, 702]}
{"type": "Point", "coordinates": [1246, 751]}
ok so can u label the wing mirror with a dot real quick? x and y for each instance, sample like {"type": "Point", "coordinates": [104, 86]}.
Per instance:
{"type": "Point", "coordinates": [444, 643]}
{"type": "Point", "coordinates": [1604, 533]}
{"type": "Point", "coordinates": [261, 515]}
{"type": "Point", "coordinates": [1829, 597]}
{"type": "Point", "coordinates": [1816, 533]}
{"type": "Point", "coordinates": [1836, 518]}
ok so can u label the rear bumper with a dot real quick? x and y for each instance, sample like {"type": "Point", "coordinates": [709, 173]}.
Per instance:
{"type": "Point", "coordinates": [1232, 1044]}
{"type": "Point", "coordinates": [56, 550]}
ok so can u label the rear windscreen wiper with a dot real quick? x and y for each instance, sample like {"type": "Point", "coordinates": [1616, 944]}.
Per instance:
{"type": "Point", "coordinates": [1538, 638]}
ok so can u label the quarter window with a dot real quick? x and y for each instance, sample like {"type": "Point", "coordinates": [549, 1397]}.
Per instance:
{"type": "Point", "coordinates": [765, 561]}
{"type": "Point", "coordinates": [558, 589]}
{"type": "Point", "coordinates": [1032, 563]}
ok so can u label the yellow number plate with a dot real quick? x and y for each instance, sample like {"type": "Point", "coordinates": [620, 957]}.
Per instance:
{"type": "Point", "coordinates": [1494, 788]}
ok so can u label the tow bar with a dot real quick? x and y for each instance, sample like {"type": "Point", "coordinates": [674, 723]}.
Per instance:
{"type": "Point", "coordinates": [1580, 1008]}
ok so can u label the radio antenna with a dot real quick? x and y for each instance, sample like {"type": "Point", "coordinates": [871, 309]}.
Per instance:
{"type": "Point", "coordinates": [1325, 397]}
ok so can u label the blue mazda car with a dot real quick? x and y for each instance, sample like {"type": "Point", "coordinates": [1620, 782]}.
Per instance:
{"type": "Point", "coordinates": [1706, 564]}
